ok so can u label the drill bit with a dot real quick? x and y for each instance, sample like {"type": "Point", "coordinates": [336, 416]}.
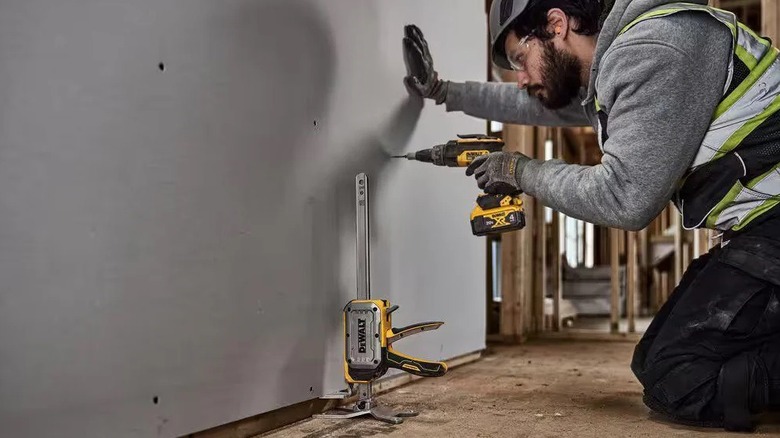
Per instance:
{"type": "Point", "coordinates": [423, 155]}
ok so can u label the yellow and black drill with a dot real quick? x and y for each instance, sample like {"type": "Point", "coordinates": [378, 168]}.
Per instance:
{"type": "Point", "coordinates": [493, 213]}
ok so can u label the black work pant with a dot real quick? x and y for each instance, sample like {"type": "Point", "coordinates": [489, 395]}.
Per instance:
{"type": "Point", "coordinates": [725, 309]}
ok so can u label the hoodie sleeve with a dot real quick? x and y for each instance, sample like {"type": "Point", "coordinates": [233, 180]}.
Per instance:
{"type": "Point", "coordinates": [507, 103]}
{"type": "Point", "coordinates": [660, 97]}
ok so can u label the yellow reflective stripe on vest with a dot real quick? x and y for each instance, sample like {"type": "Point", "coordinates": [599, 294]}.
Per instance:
{"type": "Point", "coordinates": [750, 61]}
{"type": "Point", "coordinates": [751, 80]}
{"type": "Point", "coordinates": [749, 105]}
{"type": "Point", "coordinates": [762, 204]}
{"type": "Point", "coordinates": [747, 128]}
{"type": "Point", "coordinates": [712, 219]}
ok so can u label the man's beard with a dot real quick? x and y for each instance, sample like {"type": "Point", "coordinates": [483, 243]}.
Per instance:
{"type": "Point", "coordinates": [561, 78]}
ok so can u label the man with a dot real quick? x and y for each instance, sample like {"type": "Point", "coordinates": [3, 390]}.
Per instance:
{"type": "Point", "coordinates": [685, 103]}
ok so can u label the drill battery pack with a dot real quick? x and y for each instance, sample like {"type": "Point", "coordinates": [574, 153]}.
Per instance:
{"type": "Point", "coordinates": [369, 335]}
{"type": "Point", "coordinates": [495, 214]}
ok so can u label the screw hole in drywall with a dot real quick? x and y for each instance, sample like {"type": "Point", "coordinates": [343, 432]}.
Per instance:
{"type": "Point", "coordinates": [156, 400]}
{"type": "Point", "coordinates": [311, 389]}
{"type": "Point", "coordinates": [161, 66]}
{"type": "Point", "coordinates": [315, 123]}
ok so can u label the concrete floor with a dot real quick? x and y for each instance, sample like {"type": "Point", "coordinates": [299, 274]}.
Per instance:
{"type": "Point", "coordinates": [541, 389]}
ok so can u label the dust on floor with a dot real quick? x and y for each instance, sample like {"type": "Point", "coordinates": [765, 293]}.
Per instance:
{"type": "Point", "coordinates": [539, 389]}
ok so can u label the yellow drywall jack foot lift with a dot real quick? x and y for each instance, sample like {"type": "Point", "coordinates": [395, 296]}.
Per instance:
{"type": "Point", "coordinates": [369, 335]}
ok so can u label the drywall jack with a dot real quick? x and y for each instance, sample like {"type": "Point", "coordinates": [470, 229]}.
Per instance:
{"type": "Point", "coordinates": [369, 335]}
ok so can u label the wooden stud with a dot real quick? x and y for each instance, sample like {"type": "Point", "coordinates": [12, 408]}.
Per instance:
{"type": "Point", "coordinates": [656, 299]}
{"type": "Point", "coordinates": [678, 251]}
{"type": "Point", "coordinates": [557, 265]}
{"type": "Point", "coordinates": [631, 269]}
{"type": "Point", "coordinates": [509, 260]}
{"type": "Point", "coordinates": [517, 254]}
{"type": "Point", "coordinates": [770, 20]}
{"type": "Point", "coordinates": [697, 250]}
{"type": "Point", "coordinates": [488, 286]}
{"type": "Point", "coordinates": [556, 271]}
{"type": "Point", "coordinates": [664, 288]}
{"type": "Point", "coordinates": [540, 245]}
{"type": "Point", "coordinates": [525, 308]}
{"type": "Point", "coordinates": [508, 286]}
{"type": "Point", "coordinates": [642, 270]}
{"type": "Point", "coordinates": [614, 241]}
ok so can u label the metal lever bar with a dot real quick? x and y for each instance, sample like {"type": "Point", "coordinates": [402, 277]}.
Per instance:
{"type": "Point", "coordinates": [365, 391]}
{"type": "Point", "coordinates": [363, 246]}
{"type": "Point", "coordinates": [404, 332]}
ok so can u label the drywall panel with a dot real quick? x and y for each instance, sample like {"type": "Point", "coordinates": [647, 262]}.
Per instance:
{"type": "Point", "coordinates": [176, 204]}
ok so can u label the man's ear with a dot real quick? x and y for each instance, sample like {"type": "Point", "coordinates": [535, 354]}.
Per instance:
{"type": "Point", "coordinates": [557, 23]}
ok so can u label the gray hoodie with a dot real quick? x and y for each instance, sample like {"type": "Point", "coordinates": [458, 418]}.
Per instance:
{"type": "Point", "coordinates": [659, 83]}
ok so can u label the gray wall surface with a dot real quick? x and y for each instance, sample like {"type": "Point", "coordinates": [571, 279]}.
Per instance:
{"type": "Point", "coordinates": [176, 204]}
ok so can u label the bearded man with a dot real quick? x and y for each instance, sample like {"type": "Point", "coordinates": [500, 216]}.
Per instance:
{"type": "Point", "coordinates": [684, 100]}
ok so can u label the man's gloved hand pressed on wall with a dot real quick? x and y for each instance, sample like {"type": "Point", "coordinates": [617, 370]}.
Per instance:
{"type": "Point", "coordinates": [679, 105]}
{"type": "Point", "coordinates": [421, 77]}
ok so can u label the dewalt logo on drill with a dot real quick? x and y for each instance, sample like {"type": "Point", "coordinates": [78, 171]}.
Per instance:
{"type": "Point", "coordinates": [500, 220]}
{"type": "Point", "coordinates": [361, 335]}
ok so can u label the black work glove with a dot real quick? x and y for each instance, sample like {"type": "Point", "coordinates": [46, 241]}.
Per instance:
{"type": "Point", "coordinates": [421, 78]}
{"type": "Point", "coordinates": [499, 172]}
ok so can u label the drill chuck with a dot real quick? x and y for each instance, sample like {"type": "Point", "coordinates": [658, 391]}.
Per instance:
{"type": "Point", "coordinates": [424, 155]}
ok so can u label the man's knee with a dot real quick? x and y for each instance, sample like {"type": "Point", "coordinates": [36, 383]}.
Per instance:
{"type": "Point", "coordinates": [685, 392]}
{"type": "Point", "coordinates": [701, 393]}
{"type": "Point", "coordinates": [743, 390]}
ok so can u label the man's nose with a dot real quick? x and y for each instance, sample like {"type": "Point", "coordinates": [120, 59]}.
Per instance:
{"type": "Point", "coordinates": [522, 79]}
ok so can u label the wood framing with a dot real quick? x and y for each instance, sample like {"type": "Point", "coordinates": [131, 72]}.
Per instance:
{"type": "Point", "coordinates": [644, 270]}
{"type": "Point", "coordinates": [556, 269]}
{"type": "Point", "coordinates": [540, 243]}
{"type": "Point", "coordinates": [770, 20]}
{"type": "Point", "coordinates": [508, 287]}
{"type": "Point", "coordinates": [525, 277]}
{"type": "Point", "coordinates": [631, 284]}
{"type": "Point", "coordinates": [517, 280]}
{"type": "Point", "coordinates": [678, 247]}
{"type": "Point", "coordinates": [614, 256]}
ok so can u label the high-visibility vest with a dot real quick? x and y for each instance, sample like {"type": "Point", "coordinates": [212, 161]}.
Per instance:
{"type": "Point", "coordinates": [735, 177]}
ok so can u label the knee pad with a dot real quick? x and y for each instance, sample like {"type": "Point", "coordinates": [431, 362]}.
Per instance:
{"type": "Point", "coordinates": [743, 389]}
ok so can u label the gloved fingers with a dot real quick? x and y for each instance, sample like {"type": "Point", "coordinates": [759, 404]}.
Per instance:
{"type": "Point", "coordinates": [410, 30]}
{"type": "Point", "coordinates": [414, 59]}
{"type": "Point", "coordinates": [481, 170]}
{"type": "Point", "coordinates": [500, 188]}
{"type": "Point", "coordinates": [424, 44]}
{"type": "Point", "coordinates": [483, 181]}
{"type": "Point", "coordinates": [416, 34]}
{"type": "Point", "coordinates": [475, 164]}
{"type": "Point", "coordinates": [413, 46]}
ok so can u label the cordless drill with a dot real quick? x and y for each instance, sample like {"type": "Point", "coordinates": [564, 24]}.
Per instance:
{"type": "Point", "coordinates": [493, 213]}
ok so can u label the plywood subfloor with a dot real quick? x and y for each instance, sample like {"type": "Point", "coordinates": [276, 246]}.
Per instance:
{"type": "Point", "coordinates": [541, 389]}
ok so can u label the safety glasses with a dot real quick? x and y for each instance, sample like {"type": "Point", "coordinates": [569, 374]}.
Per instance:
{"type": "Point", "coordinates": [517, 57]}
